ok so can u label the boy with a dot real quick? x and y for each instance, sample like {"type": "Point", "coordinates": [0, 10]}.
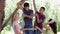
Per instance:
{"type": "Point", "coordinates": [40, 17]}
{"type": "Point", "coordinates": [27, 15]}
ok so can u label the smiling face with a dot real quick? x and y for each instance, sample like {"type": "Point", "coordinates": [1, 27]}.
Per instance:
{"type": "Point", "coordinates": [16, 16]}
{"type": "Point", "coordinates": [42, 9]}
{"type": "Point", "coordinates": [26, 6]}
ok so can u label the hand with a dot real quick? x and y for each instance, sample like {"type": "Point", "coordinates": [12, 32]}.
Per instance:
{"type": "Point", "coordinates": [24, 15]}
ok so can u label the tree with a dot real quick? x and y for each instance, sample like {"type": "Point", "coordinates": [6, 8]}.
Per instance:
{"type": "Point", "coordinates": [20, 4]}
{"type": "Point", "coordinates": [2, 6]}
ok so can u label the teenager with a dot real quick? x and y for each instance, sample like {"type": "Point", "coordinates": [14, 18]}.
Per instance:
{"type": "Point", "coordinates": [53, 25]}
{"type": "Point", "coordinates": [40, 17]}
{"type": "Point", "coordinates": [28, 16]}
{"type": "Point", "coordinates": [47, 29]}
{"type": "Point", "coordinates": [16, 27]}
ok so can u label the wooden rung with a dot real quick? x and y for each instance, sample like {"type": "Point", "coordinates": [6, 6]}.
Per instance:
{"type": "Point", "coordinates": [29, 29]}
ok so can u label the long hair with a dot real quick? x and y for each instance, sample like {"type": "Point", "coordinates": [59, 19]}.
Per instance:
{"type": "Point", "coordinates": [13, 16]}
{"type": "Point", "coordinates": [53, 26]}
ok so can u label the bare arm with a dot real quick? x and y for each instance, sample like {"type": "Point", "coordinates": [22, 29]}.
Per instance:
{"type": "Point", "coordinates": [29, 16]}
{"type": "Point", "coordinates": [34, 5]}
{"type": "Point", "coordinates": [19, 4]}
{"type": "Point", "coordinates": [51, 22]}
{"type": "Point", "coordinates": [38, 20]}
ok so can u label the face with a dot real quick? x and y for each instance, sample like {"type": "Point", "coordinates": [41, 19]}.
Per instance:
{"type": "Point", "coordinates": [27, 8]}
{"type": "Point", "coordinates": [16, 16]}
{"type": "Point", "coordinates": [41, 10]}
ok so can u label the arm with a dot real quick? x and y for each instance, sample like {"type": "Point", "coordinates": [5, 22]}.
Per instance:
{"type": "Point", "coordinates": [29, 16]}
{"type": "Point", "coordinates": [16, 29]}
{"type": "Point", "coordinates": [38, 20]}
{"type": "Point", "coordinates": [34, 5]}
{"type": "Point", "coordinates": [20, 3]}
{"type": "Point", "coordinates": [51, 22]}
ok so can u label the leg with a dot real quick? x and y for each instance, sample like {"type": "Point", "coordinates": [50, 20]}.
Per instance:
{"type": "Point", "coordinates": [26, 32]}
{"type": "Point", "coordinates": [31, 32]}
{"type": "Point", "coordinates": [38, 32]}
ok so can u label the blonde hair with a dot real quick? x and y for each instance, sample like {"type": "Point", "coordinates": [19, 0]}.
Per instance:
{"type": "Point", "coordinates": [13, 16]}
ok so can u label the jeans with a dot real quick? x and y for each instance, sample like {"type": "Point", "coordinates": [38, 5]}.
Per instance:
{"type": "Point", "coordinates": [28, 31]}
{"type": "Point", "coordinates": [37, 32]}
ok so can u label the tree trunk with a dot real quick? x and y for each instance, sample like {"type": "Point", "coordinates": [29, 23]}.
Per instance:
{"type": "Point", "coordinates": [2, 5]}
{"type": "Point", "coordinates": [21, 2]}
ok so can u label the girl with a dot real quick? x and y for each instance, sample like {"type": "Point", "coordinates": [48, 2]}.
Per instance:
{"type": "Point", "coordinates": [16, 27]}
{"type": "Point", "coordinates": [51, 25]}
{"type": "Point", "coordinates": [47, 29]}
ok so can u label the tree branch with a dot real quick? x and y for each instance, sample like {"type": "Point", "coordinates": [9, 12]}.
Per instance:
{"type": "Point", "coordinates": [6, 22]}
{"type": "Point", "coordinates": [34, 5]}
{"type": "Point", "coordinates": [2, 6]}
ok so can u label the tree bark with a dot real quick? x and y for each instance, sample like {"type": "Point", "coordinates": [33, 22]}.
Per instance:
{"type": "Point", "coordinates": [6, 22]}
{"type": "Point", "coordinates": [2, 6]}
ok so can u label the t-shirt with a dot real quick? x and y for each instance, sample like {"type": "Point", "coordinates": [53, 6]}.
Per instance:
{"type": "Point", "coordinates": [40, 25]}
{"type": "Point", "coordinates": [28, 21]}
{"type": "Point", "coordinates": [16, 24]}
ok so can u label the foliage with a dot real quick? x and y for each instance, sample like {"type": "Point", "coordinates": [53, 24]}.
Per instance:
{"type": "Point", "coordinates": [52, 11]}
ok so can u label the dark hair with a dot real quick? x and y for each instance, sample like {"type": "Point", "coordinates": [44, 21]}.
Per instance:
{"type": "Point", "coordinates": [53, 26]}
{"type": "Point", "coordinates": [50, 20]}
{"type": "Point", "coordinates": [43, 8]}
{"type": "Point", "coordinates": [26, 4]}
